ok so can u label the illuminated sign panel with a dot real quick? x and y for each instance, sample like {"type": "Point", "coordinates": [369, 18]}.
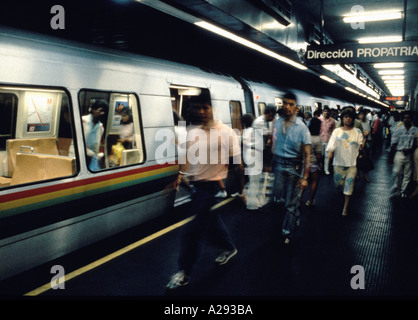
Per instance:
{"type": "Point", "coordinates": [404, 98]}
{"type": "Point", "coordinates": [362, 53]}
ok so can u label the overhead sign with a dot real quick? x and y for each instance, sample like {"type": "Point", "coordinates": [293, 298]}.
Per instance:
{"type": "Point", "coordinates": [404, 98]}
{"type": "Point", "coordinates": [406, 51]}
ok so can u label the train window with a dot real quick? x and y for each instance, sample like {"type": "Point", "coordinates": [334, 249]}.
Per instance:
{"type": "Point", "coordinates": [236, 115]}
{"type": "Point", "coordinates": [36, 134]}
{"type": "Point", "coordinates": [111, 128]}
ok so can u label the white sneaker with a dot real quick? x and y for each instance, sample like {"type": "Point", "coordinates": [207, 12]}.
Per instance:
{"type": "Point", "coordinates": [225, 256]}
{"type": "Point", "coordinates": [179, 279]}
{"type": "Point", "coordinates": [221, 194]}
{"type": "Point", "coordinates": [327, 172]}
{"type": "Point", "coordinates": [236, 194]}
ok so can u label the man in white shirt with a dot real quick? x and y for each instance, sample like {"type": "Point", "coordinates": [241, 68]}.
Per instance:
{"type": "Point", "coordinates": [402, 147]}
{"type": "Point", "coordinates": [93, 132]}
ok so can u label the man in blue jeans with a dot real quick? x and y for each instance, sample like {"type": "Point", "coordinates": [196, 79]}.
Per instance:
{"type": "Point", "coordinates": [213, 144]}
{"type": "Point", "coordinates": [291, 161]}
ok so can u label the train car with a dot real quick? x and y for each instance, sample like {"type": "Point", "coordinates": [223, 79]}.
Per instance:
{"type": "Point", "coordinates": [81, 136]}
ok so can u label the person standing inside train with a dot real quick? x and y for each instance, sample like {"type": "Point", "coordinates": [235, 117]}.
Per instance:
{"type": "Point", "coordinates": [209, 148]}
{"type": "Point", "coordinates": [93, 133]}
{"type": "Point", "coordinates": [291, 162]}
{"type": "Point", "coordinates": [327, 127]}
{"type": "Point", "coordinates": [343, 146]}
{"type": "Point", "coordinates": [402, 147]}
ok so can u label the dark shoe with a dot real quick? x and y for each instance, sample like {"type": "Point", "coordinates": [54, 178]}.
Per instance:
{"type": "Point", "coordinates": [225, 256]}
{"type": "Point", "coordinates": [178, 279]}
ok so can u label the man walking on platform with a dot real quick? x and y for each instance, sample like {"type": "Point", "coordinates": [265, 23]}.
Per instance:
{"type": "Point", "coordinates": [213, 144]}
{"type": "Point", "coordinates": [291, 161]}
{"type": "Point", "coordinates": [402, 148]}
{"type": "Point", "coordinates": [327, 127]}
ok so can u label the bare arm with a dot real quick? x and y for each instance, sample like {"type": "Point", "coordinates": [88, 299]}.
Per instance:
{"type": "Point", "coordinates": [303, 182]}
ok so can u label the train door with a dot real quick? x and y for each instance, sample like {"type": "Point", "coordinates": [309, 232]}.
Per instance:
{"type": "Point", "coordinates": [8, 110]}
{"type": "Point", "coordinates": [236, 115]}
{"type": "Point", "coordinates": [180, 101]}
{"type": "Point", "coordinates": [261, 107]}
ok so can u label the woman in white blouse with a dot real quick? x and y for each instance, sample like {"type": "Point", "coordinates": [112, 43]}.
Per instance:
{"type": "Point", "coordinates": [344, 146]}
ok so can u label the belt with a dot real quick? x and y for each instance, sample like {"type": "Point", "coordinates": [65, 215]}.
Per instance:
{"type": "Point", "coordinates": [288, 160]}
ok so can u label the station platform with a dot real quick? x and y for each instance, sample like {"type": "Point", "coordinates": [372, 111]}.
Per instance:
{"type": "Point", "coordinates": [379, 237]}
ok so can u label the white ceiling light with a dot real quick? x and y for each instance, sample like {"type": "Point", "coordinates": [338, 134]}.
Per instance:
{"type": "Point", "coordinates": [347, 76]}
{"type": "Point", "coordinates": [247, 43]}
{"type": "Point", "coordinates": [327, 79]}
{"type": "Point", "coordinates": [351, 89]}
{"type": "Point", "coordinates": [393, 77]}
{"type": "Point", "coordinates": [399, 93]}
{"type": "Point", "coordinates": [396, 88]}
{"type": "Point", "coordinates": [386, 72]}
{"type": "Point", "coordinates": [380, 39]}
{"type": "Point", "coordinates": [372, 16]}
{"type": "Point", "coordinates": [388, 65]}
{"type": "Point", "coordinates": [394, 81]}
{"type": "Point", "coordinates": [394, 84]}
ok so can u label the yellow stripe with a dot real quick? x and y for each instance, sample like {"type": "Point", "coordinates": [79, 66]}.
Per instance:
{"type": "Point", "coordinates": [109, 257]}
{"type": "Point", "coordinates": [120, 252]}
{"type": "Point", "coordinates": [80, 189]}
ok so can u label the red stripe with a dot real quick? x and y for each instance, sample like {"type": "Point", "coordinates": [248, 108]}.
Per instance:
{"type": "Point", "coordinates": [78, 183]}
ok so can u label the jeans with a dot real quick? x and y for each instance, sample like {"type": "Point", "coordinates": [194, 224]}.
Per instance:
{"type": "Point", "coordinates": [325, 156]}
{"type": "Point", "coordinates": [287, 174]}
{"type": "Point", "coordinates": [402, 172]}
{"type": "Point", "coordinates": [207, 225]}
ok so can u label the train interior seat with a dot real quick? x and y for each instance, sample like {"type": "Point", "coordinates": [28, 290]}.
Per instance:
{"type": "Point", "coordinates": [31, 167]}
{"type": "Point", "coordinates": [27, 160]}
{"type": "Point", "coordinates": [37, 145]}
{"type": "Point", "coordinates": [131, 156]}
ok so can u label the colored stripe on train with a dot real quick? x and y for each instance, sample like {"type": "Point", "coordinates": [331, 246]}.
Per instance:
{"type": "Point", "coordinates": [51, 195]}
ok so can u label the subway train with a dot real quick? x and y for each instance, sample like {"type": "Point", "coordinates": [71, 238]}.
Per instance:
{"type": "Point", "coordinates": [73, 170]}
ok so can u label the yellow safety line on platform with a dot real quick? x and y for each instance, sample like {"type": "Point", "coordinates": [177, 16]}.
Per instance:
{"type": "Point", "coordinates": [118, 253]}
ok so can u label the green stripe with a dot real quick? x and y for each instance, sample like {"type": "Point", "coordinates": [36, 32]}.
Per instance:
{"type": "Point", "coordinates": [81, 195]}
